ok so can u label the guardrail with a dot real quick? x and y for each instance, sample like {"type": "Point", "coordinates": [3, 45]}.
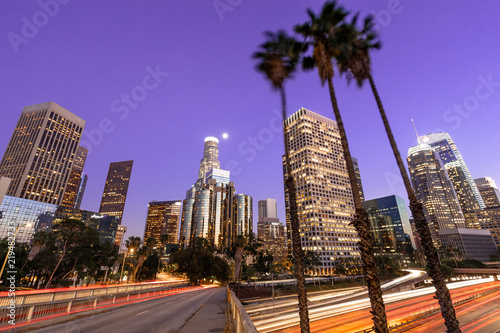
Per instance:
{"type": "Point", "coordinates": [26, 313]}
{"type": "Point", "coordinates": [51, 295]}
{"type": "Point", "coordinates": [238, 316]}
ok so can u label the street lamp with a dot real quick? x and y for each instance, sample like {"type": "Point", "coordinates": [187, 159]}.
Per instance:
{"type": "Point", "coordinates": [123, 265]}
{"type": "Point", "coordinates": [11, 247]}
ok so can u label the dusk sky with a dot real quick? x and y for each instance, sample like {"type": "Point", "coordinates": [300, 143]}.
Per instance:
{"type": "Point", "coordinates": [440, 65]}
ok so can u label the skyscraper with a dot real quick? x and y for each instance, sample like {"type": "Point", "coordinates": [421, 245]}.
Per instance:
{"type": "Point", "coordinates": [467, 193]}
{"type": "Point", "coordinates": [268, 208]}
{"type": "Point", "coordinates": [115, 190]}
{"type": "Point", "coordinates": [41, 151]}
{"type": "Point", "coordinates": [75, 178]}
{"type": "Point", "coordinates": [163, 219]}
{"type": "Point", "coordinates": [358, 178]}
{"type": "Point", "coordinates": [207, 211]}
{"type": "Point", "coordinates": [434, 190]}
{"type": "Point", "coordinates": [390, 226]}
{"type": "Point", "coordinates": [243, 214]}
{"type": "Point", "coordinates": [81, 190]}
{"type": "Point", "coordinates": [210, 158]}
{"type": "Point", "coordinates": [324, 195]}
{"type": "Point", "coordinates": [270, 230]}
{"type": "Point", "coordinates": [489, 191]}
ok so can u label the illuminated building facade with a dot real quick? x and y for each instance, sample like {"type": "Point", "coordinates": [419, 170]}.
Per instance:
{"type": "Point", "coordinates": [434, 190]}
{"type": "Point", "coordinates": [390, 226]}
{"type": "Point", "coordinates": [207, 211]}
{"type": "Point", "coordinates": [120, 235]}
{"type": "Point", "coordinates": [116, 188]}
{"type": "Point", "coordinates": [465, 188]}
{"type": "Point", "coordinates": [243, 214]}
{"type": "Point", "coordinates": [41, 152]}
{"type": "Point", "coordinates": [489, 191]}
{"type": "Point", "coordinates": [163, 219]}
{"type": "Point", "coordinates": [210, 159]}
{"type": "Point", "coordinates": [270, 230]}
{"type": "Point", "coordinates": [324, 195]}
{"type": "Point", "coordinates": [489, 218]}
{"type": "Point", "coordinates": [75, 178]}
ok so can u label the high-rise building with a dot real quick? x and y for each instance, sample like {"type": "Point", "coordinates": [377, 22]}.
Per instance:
{"type": "Point", "coordinates": [489, 218]}
{"type": "Point", "coordinates": [243, 214]}
{"type": "Point", "coordinates": [324, 195]}
{"type": "Point", "coordinates": [41, 151]}
{"type": "Point", "coordinates": [81, 190]}
{"type": "Point", "coordinates": [75, 178]}
{"type": "Point", "coordinates": [120, 234]}
{"type": "Point", "coordinates": [466, 190]}
{"type": "Point", "coordinates": [210, 158]}
{"type": "Point", "coordinates": [489, 191]}
{"type": "Point", "coordinates": [358, 178]}
{"type": "Point", "coordinates": [270, 230]}
{"type": "Point", "coordinates": [434, 190]}
{"type": "Point", "coordinates": [268, 208]}
{"type": "Point", "coordinates": [115, 190]}
{"type": "Point", "coordinates": [390, 226]}
{"type": "Point", "coordinates": [207, 209]}
{"type": "Point", "coordinates": [163, 219]}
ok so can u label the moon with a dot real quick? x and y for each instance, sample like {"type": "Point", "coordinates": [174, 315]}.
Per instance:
{"type": "Point", "coordinates": [225, 135]}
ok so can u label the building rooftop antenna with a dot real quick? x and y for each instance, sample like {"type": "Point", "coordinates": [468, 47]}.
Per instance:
{"type": "Point", "coordinates": [415, 128]}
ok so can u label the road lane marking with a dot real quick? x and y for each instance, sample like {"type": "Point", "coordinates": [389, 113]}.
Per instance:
{"type": "Point", "coordinates": [141, 312]}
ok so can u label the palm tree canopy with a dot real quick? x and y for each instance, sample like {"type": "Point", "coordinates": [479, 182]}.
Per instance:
{"type": "Point", "coordinates": [278, 57]}
{"type": "Point", "coordinates": [355, 60]}
{"type": "Point", "coordinates": [326, 33]}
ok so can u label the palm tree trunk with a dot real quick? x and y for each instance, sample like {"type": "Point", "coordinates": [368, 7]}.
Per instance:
{"type": "Point", "coordinates": [362, 226]}
{"type": "Point", "coordinates": [442, 292]}
{"type": "Point", "coordinates": [295, 226]}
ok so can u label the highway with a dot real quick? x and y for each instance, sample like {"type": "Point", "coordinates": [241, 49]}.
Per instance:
{"type": "Point", "coordinates": [350, 313]}
{"type": "Point", "coordinates": [166, 314]}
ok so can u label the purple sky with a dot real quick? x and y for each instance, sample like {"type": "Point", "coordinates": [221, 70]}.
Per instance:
{"type": "Point", "coordinates": [437, 58]}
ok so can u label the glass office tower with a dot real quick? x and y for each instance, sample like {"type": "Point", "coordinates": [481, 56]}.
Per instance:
{"type": "Point", "coordinates": [390, 226]}
{"type": "Point", "coordinates": [465, 188]}
{"type": "Point", "coordinates": [434, 190]}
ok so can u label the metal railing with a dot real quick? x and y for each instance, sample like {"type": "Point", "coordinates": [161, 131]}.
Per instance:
{"type": "Point", "coordinates": [61, 304]}
{"type": "Point", "coordinates": [41, 296]}
{"type": "Point", "coordinates": [241, 322]}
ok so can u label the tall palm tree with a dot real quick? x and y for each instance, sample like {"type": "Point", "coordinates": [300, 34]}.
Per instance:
{"type": "Point", "coordinates": [277, 59]}
{"type": "Point", "coordinates": [355, 61]}
{"type": "Point", "coordinates": [326, 32]}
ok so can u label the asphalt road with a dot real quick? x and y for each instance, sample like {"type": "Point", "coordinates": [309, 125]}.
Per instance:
{"type": "Point", "coordinates": [175, 313]}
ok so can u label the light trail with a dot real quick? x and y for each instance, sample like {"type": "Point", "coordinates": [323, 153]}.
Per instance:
{"type": "Point", "coordinates": [283, 319]}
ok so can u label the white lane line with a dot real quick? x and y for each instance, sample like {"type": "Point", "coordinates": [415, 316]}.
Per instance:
{"type": "Point", "coordinates": [141, 312]}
